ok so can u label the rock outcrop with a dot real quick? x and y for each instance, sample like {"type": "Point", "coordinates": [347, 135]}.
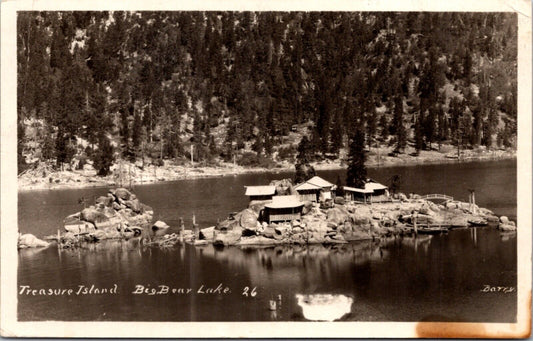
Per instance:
{"type": "Point", "coordinates": [117, 215]}
{"type": "Point", "coordinates": [29, 241]}
{"type": "Point", "coordinates": [345, 221]}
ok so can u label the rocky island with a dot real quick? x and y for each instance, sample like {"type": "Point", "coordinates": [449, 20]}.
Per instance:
{"type": "Point", "coordinates": [121, 216]}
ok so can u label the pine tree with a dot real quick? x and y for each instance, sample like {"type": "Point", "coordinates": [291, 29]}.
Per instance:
{"type": "Point", "coordinates": [442, 125]}
{"type": "Point", "coordinates": [103, 158]}
{"type": "Point", "coordinates": [401, 135]}
{"type": "Point", "coordinates": [419, 140]}
{"type": "Point", "coordinates": [63, 151]}
{"type": "Point", "coordinates": [21, 160]}
{"type": "Point", "coordinates": [125, 133]}
{"type": "Point", "coordinates": [304, 151]}
{"type": "Point", "coordinates": [430, 126]}
{"type": "Point", "coordinates": [339, 191]}
{"type": "Point", "coordinates": [336, 136]}
{"type": "Point", "coordinates": [371, 127]}
{"type": "Point", "coordinates": [384, 127]}
{"type": "Point", "coordinates": [136, 133]}
{"type": "Point", "coordinates": [356, 175]}
{"type": "Point", "coordinates": [48, 148]}
{"type": "Point", "coordinates": [304, 170]}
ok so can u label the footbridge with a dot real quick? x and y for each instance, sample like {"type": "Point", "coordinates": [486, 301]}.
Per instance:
{"type": "Point", "coordinates": [443, 197]}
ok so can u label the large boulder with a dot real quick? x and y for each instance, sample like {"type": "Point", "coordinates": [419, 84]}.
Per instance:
{"type": "Point", "coordinates": [283, 186]}
{"type": "Point", "coordinates": [92, 215]}
{"type": "Point", "coordinates": [104, 200]}
{"type": "Point", "coordinates": [29, 240]}
{"type": "Point", "coordinates": [122, 193]}
{"type": "Point", "coordinates": [508, 226]}
{"type": "Point", "coordinates": [82, 226]}
{"type": "Point", "coordinates": [337, 215]}
{"type": "Point", "coordinates": [207, 233]}
{"type": "Point", "coordinates": [139, 219]}
{"type": "Point", "coordinates": [258, 205]}
{"type": "Point", "coordinates": [339, 201]}
{"type": "Point", "coordinates": [109, 212]}
{"type": "Point", "coordinates": [229, 225]}
{"type": "Point", "coordinates": [360, 219]}
{"type": "Point", "coordinates": [160, 225]}
{"type": "Point", "coordinates": [308, 206]}
{"type": "Point", "coordinates": [269, 232]}
{"type": "Point", "coordinates": [504, 219]}
{"type": "Point", "coordinates": [134, 205]}
{"type": "Point", "coordinates": [316, 238]}
{"type": "Point", "coordinates": [112, 233]}
{"type": "Point", "coordinates": [257, 240]}
{"type": "Point", "coordinates": [98, 235]}
{"type": "Point", "coordinates": [227, 238]}
{"type": "Point", "coordinates": [112, 222]}
{"type": "Point", "coordinates": [248, 219]}
{"type": "Point", "coordinates": [451, 205]}
{"type": "Point", "coordinates": [72, 219]}
{"type": "Point", "coordinates": [317, 225]}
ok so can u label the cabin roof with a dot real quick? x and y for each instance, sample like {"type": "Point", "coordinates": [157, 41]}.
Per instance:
{"type": "Point", "coordinates": [260, 190]}
{"type": "Point", "coordinates": [374, 186]}
{"type": "Point", "coordinates": [305, 186]}
{"type": "Point", "coordinates": [318, 181]}
{"type": "Point", "coordinates": [358, 190]}
{"type": "Point", "coordinates": [370, 187]}
{"type": "Point", "coordinates": [285, 201]}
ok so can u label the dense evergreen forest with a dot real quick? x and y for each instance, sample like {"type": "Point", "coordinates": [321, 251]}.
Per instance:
{"type": "Point", "coordinates": [148, 85]}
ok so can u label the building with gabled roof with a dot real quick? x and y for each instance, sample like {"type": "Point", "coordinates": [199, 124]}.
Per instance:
{"type": "Point", "coordinates": [318, 181]}
{"type": "Point", "coordinates": [308, 192]}
{"type": "Point", "coordinates": [314, 188]}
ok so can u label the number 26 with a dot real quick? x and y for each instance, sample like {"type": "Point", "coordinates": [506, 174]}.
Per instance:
{"type": "Point", "coordinates": [247, 292]}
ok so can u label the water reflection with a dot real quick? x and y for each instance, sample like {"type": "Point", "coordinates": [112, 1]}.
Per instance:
{"type": "Point", "coordinates": [402, 278]}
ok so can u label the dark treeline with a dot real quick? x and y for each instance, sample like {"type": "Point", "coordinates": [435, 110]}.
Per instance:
{"type": "Point", "coordinates": [153, 83]}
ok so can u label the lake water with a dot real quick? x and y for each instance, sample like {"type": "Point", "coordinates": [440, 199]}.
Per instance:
{"type": "Point", "coordinates": [404, 279]}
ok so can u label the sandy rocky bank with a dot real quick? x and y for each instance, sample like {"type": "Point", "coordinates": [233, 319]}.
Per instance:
{"type": "Point", "coordinates": [44, 177]}
{"type": "Point", "coordinates": [120, 216]}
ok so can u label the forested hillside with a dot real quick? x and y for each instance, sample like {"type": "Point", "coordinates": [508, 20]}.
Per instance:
{"type": "Point", "coordinates": [147, 85]}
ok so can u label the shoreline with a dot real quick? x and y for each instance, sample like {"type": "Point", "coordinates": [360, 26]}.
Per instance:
{"type": "Point", "coordinates": [82, 179]}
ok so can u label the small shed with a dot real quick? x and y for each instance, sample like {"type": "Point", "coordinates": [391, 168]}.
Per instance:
{"type": "Point", "coordinates": [372, 192]}
{"type": "Point", "coordinates": [260, 192]}
{"type": "Point", "coordinates": [308, 192]}
{"type": "Point", "coordinates": [379, 192]}
{"type": "Point", "coordinates": [357, 194]}
{"type": "Point", "coordinates": [284, 208]}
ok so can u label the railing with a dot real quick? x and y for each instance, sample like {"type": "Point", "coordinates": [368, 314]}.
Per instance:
{"type": "Point", "coordinates": [284, 217]}
{"type": "Point", "coordinates": [437, 196]}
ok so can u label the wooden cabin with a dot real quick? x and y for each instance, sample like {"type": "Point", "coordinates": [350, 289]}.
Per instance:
{"type": "Point", "coordinates": [315, 186]}
{"type": "Point", "coordinates": [379, 192]}
{"type": "Point", "coordinates": [308, 192]}
{"type": "Point", "coordinates": [372, 192]}
{"type": "Point", "coordinates": [357, 194]}
{"type": "Point", "coordinates": [284, 208]}
{"type": "Point", "coordinates": [260, 192]}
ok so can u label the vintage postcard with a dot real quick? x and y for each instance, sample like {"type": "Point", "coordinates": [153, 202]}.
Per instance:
{"type": "Point", "coordinates": [266, 169]}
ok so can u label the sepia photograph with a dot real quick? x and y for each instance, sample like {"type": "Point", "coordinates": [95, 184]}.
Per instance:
{"type": "Point", "coordinates": [232, 166]}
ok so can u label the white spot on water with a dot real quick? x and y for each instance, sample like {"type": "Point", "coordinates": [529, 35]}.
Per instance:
{"type": "Point", "coordinates": [324, 307]}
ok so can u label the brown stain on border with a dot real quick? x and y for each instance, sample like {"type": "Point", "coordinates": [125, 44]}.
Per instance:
{"type": "Point", "coordinates": [470, 330]}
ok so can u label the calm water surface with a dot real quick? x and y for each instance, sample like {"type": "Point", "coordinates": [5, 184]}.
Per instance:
{"type": "Point", "coordinates": [404, 279]}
